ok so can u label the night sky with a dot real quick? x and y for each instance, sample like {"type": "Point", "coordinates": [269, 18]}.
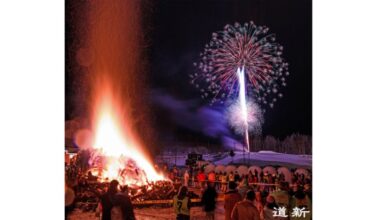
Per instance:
{"type": "Point", "coordinates": [176, 33]}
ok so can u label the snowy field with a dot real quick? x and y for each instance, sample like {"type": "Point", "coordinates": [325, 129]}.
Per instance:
{"type": "Point", "coordinates": [261, 158]}
{"type": "Point", "coordinates": [196, 213]}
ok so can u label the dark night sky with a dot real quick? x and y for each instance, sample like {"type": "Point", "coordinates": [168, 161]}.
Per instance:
{"type": "Point", "coordinates": [177, 31]}
{"type": "Point", "coordinates": [180, 29]}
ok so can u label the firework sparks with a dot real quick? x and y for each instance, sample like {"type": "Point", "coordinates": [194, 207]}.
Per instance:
{"type": "Point", "coordinates": [238, 46]}
{"type": "Point", "coordinates": [254, 117]}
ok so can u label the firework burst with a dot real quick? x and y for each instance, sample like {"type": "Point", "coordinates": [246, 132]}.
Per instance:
{"type": "Point", "coordinates": [245, 46]}
{"type": "Point", "coordinates": [254, 117]}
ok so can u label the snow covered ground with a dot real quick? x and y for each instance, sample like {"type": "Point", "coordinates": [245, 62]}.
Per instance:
{"type": "Point", "coordinates": [150, 213]}
{"type": "Point", "coordinates": [261, 158]}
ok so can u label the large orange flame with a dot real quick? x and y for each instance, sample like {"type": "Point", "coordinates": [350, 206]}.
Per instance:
{"type": "Point", "coordinates": [113, 48]}
{"type": "Point", "coordinates": [117, 144]}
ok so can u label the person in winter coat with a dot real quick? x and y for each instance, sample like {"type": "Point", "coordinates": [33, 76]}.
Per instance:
{"type": "Point", "coordinates": [237, 177]}
{"type": "Point", "coordinates": [224, 182]}
{"type": "Point", "coordinates": [108, 200]}
{"type": "Point", "coordinates": [201, 178]}
{"type": "Point", "coordinates": [181, 204]}
{"type": "Point", "coordinates": [211, 177]}
{"type": "Point", "coordinates": [258, 204]}
{"type": "Point", "coordinates": [270, 208]}
{"type": "Point", "coordinates": [231, 176]}
{"type": "Point", "coordinates": [282, 197]}
{"type": "Point", "coordinates": [115, 204]}
{"type": "Point", "coordinates": [231, 197]}
{"type": "Point", "coordinates": [126, 203]}
{"type": "Point", "coordinates": [208, 201]}
{"type": "Point", "coordinates": [246, 210]}
{"type": "Point", "coordinates": [243, 186]}
{"type": "Point", "coordinates": [186, 178]}
{"type": "Point", "coordinates": [300, 205]}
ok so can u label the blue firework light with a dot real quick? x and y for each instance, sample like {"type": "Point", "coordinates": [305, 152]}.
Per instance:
{"type": "Point", "coordinates": [247, 46]}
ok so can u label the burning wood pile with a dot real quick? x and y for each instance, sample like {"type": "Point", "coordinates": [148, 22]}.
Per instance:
{"type": "Point", "coordinates": [160, 193]}
{"type": "Point", "coordinates": [90, 185]}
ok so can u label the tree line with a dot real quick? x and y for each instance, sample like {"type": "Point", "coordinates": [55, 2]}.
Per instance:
{"type": "Point", "coordinates": [293, 144]}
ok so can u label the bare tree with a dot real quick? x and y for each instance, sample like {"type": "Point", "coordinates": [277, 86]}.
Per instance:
{"type": "Point", "coordinates": [270, 142]}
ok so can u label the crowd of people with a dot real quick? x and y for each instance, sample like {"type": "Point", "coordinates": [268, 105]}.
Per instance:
{"type": "Point", "coordinates": [254, 203]}
{"type": "Point", "coordinates": [258, 196]}
{"type": "Point", "coordinates": [269, 182]}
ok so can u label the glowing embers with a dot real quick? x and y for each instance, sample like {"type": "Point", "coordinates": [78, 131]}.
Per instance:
{"type": "Point", "coordinates": [121, 168]}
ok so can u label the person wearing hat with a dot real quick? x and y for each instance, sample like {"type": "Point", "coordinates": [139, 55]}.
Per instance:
{"type": "Point", "coordinates": [231, 197]}
{"type": "Point", "coordinates": [246, 209]}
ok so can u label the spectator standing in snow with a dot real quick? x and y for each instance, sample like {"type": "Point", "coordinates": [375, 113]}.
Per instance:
{"type": "Point", "coordinates": [211, 177]}
{"type": "Point", "coordinates": [231, 177]}
{"type": "Point", "coordinates": [208, 201]}
{"type": "Point", "coordinates": [231, 197]}
{"type": "Point", "coordinates": [224, 181]}
{"type": "Point", "coordinates": [201, 178]}
{"type": "Point", "coordinates": [246, 209]}
{"type": "Point", "coordinates": [258, 204]}
{"type": "Point", "coordinates": [270, 208]}
{"type": "Point", "coordinates": [181, 204]}
{"type": "Point", "coordinates": [186, 178]}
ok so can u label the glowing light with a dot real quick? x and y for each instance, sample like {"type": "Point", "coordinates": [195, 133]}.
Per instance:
{"type": "Point", "coordinates": [112, 55]}
{"type": "Point", "coordinates": [243, 104]}
{"type": "Point", "coordinates": [254, 118]}
{"type": "Point", "coordinates": [241, 45]}
{"type": "Point", "coordinates": [123, 158]}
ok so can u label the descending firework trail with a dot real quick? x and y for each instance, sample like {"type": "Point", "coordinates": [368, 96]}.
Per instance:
{"type": "Point", "coordinates": [243, 104]}
{"type": "Point", "coordinates": [239, 46]}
